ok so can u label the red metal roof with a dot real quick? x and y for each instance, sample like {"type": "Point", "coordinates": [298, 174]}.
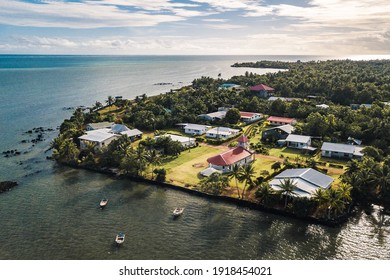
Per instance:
{"type": "Point", "coordinates": [281, 119]}
{"type": "Point", "coordinates": [248, 114]}
{"type": "Point", "coordinates": [243, 139]}
{"type": "Point", "coordinates": [261, 87]}
{"type": "Point", "coordinates": [229, 157]}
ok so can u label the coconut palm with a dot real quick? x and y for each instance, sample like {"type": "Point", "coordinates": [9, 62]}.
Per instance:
{"type": "Point", "coordinates": [110, 100]}
{"type": "Point", "coordinates": [334, 202]}
{"type": "Point", "coordinates": [287, 189]}
{"type": "Point", "coordinates": [97, 105]}
{"type": "Point", "coordinates": [140, 159]}
{"type": "Point", "coordinates": [236, 174]}
{"type": "Point", "coordinates": [68, 151]}
{"type": "Point", "coordinates": [153, 158]}
{"type": "Point", "coordinates": [264, 192]}
{"type": "Point", "coordinates": [247, 174]}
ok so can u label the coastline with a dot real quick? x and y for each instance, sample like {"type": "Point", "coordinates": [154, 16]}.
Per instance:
{"type": "Point", "coordinates": [227, 199]}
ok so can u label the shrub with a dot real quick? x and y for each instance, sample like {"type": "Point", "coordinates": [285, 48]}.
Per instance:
{"type": "Point", "coordinates": [161, 174]}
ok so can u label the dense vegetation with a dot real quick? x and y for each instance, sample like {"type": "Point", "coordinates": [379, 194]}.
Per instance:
{"type": "Point", "coordinates": [337, 83]}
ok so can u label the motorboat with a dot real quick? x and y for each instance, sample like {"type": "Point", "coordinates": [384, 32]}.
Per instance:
{"type": "Point", "coordinates": [120, 238]}
{"type": "Point", "coordinates": [178, 211]}
{"type": "Point", "coordinates": [103, 202]}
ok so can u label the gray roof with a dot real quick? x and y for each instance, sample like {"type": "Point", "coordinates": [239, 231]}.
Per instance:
{"type": "Point", "coordinates": [288, 128]}
{"type": "Point", "coordinates": [298, 138]}
{"type": "Point", "coordinates": [100, 125]}
{"type": "Point", "coordinates": [335, 147]}
{"type": "Point", "coordinates": [218, 114]}
{"type": "Point", "coordinates": [308, 174]}
{"type": "Point", "coordinates": [132, 132]}
{"type": "Point", "coordinates": [208, 171]}
{"type": "Point", "coordinates": [118, 128]}
{"type": "Point", "coordinates": [99, 135]}
{"type": "Point", "coordinates": [196, 126]}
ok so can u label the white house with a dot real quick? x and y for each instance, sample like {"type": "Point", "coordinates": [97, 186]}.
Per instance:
{"type": "Point", "coordinates": [346, 151]}
{"type": "Point", "coordinates": [133, 134]}
{"type": "Point", "coordinates": [196, 129]}
{"type": "Point", "coordinates": [99, 125]}
{"type": "Point", "coordinates": [185, 141]}
{"type": "Point", "coordinates": [222, 132]}
{"type": "Point", "coordinates": [306, 180]}
{"type": "Point", "coordinates": [322, 106]}
{"type": "Point", "coordinates": [249, 117]}
{"type": "Point", "coordinates": [239, 155]}
{"type": "Point", "coordinates": [100, 137]}
{"type": "Point", "coordinates": [298, 141]}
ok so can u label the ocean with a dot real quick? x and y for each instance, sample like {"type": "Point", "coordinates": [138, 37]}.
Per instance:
{"type": "Point", "coordinates": [54, 213]}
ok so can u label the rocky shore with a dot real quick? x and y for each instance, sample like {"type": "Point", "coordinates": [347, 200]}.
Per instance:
{"type": "Point", "coordinates": [7, 185]}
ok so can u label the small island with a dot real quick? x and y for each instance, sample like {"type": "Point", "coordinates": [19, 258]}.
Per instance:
{"type": "Point", "coordinates": [311, 142]}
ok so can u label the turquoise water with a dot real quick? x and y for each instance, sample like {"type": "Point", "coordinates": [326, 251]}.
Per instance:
{"type": "Point", "coordinates": [54, 213]}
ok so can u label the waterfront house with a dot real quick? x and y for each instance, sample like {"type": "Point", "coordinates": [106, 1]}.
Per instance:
{"type": "Point", "coordinates": [100, 138]}
{"type": "Point", "coordinates": [133, 134]}
{"type": "Point", "coordinates": [306, 180]}
{"type": "Point", "coordinates": [196, 129]}
{"type": "Point", "coordinates": [345, 151]}
{"type": "Point", "coordinates": [99, 125]}
{"type": "Point", "coordinates": [222, 132]}
{"type": "Point", "coordinates": [183, 140]}
{"type": "Point", "coordinates": [239, 155]}
{"type": "Point", "coordinates": [249, 117]}
{"type": "Point", "coordinates": [261, 90]}
{"type": "Point", "coordinates": [277, 133]}
{"type": "Point", "coordinates": [273, 120]}
{"type": "Point", "coordinates": [301, 142]}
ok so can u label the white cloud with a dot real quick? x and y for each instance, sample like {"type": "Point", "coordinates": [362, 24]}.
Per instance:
{"type": "Point", "coordinates": [95, 14]}
{"type": "Point", "coordinates": [225, 26]}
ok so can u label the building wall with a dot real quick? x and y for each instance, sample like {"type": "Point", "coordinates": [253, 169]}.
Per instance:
{"type": "Point", "coordinates": [194, 131]}
{"type": "Point", "coordinates": [298, 145]}
{"type": "Point", "coordinates": [325, 153]}
{"type": "Point", "coordinates": [228, 168]}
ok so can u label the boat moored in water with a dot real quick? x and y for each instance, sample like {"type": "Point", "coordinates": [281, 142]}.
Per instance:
{"type": "Point", "coordinates": [103, 202]}
{"type": "Point", "coordinates": [178, 211]}
{"type": "Point", "coordinates": [120, 238]}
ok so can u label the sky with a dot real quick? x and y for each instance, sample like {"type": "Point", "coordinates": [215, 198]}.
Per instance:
{"type": "Point", "coordinates": [195, 27]}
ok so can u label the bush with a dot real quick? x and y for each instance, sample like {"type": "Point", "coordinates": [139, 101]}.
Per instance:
{"type": "Point", "coordinates": [161, 174]}
{"type": "Point", "coordinates": [199, 139]}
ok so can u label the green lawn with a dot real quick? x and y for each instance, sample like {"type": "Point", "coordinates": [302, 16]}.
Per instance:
{"type": "Point", "coordinates": [287, 152]}
{"type": "Point", "coordinates": [186, 167]}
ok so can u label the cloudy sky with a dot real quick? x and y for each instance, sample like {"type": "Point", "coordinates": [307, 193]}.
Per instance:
{"type": "Point", "coordinates": [279, 27]}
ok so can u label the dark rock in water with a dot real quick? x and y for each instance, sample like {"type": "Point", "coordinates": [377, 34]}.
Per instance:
{"type": "Point", "coordinates": [7, 185]}
{"type": "Point", "coordinates": [24, 141]}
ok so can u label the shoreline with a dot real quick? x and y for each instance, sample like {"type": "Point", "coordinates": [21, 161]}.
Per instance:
{"type": "Point", "coordinates": [238, 202]}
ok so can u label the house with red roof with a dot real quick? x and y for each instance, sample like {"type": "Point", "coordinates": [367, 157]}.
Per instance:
{"type": "Point", "coordinates": [249, 117]}
{"type": "Point", "coordinates": [239, 155]}
{"type": "Point", "coordinates": [261, 90]}
{"type": "Point", "coordinates": [281, 120]}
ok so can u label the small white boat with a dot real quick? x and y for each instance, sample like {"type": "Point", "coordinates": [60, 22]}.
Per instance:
{"type": "Point", "coordinates": [120, 238]}
{"type": "Point", "coordinates": [103, 202]}
{"type": "Point", "coordinates": [178, 211]}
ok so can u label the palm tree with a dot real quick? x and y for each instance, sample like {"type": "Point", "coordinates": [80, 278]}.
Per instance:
{"type": "Point", "coordinates": [68, 151]}
{"type": "Point", "coordinates": [288, 186]}
{"type": "Point", "coordinates": [236, 174]}
{"type": "Point", "coordinates": [110, 100]}
{"type": "Point", "coordinates": [264, 192]}
{"type": "Point", "coordinates": [140, 159]}
{"type": "Point", "coordinates": [97, 105]}
{"type": "Point", "coordinates": [153, 158]}
{"type": "Point", "coordinates": [247, 174]}
{"type": "Point", "coordinates": [334, 202]}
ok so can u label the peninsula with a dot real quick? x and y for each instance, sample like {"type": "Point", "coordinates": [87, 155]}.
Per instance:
{"type": "Point", "coordinates": [310, 142]}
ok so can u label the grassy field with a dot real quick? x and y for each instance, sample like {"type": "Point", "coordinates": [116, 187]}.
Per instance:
{"type": "Point", "coordinates": [186, 167]}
